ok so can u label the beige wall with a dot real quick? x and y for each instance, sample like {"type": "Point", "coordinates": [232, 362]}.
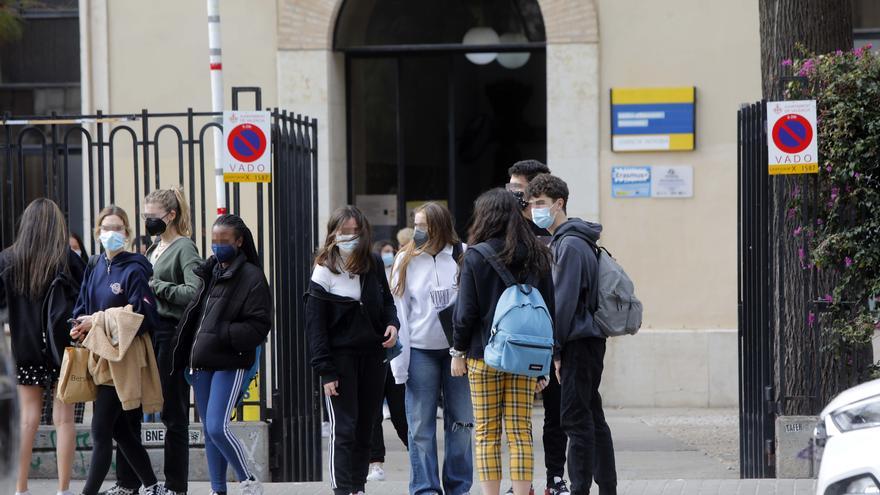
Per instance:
{"type": "Point", "coordinates": [680, 252]}
{"type": "Point", "coordinates": [154, 55]}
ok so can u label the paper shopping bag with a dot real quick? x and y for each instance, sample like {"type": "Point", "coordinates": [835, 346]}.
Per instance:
{"type": "Point", "coordinates": [75, 383]}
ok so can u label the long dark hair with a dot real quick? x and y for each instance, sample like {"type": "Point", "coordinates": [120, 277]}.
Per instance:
{"type": "Point", "coordinates": [361, 260]}
{"type": "Point", "coordinates": [242, 232]}
{"type": "Point", "coordinates": [82, 247]}
{"type": "Point", "coordinates": [497, 215]}
{"type": "Point", "coordinates": [39, 252]}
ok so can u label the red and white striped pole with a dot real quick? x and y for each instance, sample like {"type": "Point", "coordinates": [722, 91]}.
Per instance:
{"type": "Point", "coordinates": [216, 60]}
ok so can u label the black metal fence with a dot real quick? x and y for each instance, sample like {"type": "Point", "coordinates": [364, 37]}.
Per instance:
{"type": "Point", "coordinates": [756, 357]}
{"type": "Point", "coordinates": [85, 162]}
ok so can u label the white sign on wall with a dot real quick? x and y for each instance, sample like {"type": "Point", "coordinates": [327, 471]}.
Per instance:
{"type": "Point", "coordinates": [672, 182]}
{"type": "Point", "coordinates": [792, 143]}
{"type": "Point", "coordinates": [247, 137]}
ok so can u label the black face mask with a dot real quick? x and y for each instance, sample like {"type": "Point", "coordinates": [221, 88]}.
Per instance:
{"type": "Point", "coordinates": [155, 226]}
{"type": "Point", "coordinates": [521, 197]}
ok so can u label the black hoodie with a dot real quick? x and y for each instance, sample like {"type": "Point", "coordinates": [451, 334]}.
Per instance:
{"type": "Point", "coordinates": [574, 277]}
{"type": "Point", "coordinates": [480, 287]}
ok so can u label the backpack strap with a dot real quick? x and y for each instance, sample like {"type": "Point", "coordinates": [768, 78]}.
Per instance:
{"type": "Point", "coordinates": [491, 256]}
{"type": "Point", "coordinates": [457, 251]}
{"type": "Point", "coordinates": [593, 303]}
{"type": "Point", "coordinates": [93, 261]}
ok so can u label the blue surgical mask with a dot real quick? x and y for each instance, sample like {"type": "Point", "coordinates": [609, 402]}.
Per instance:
{"type": "Point", "coordinates": [388, 259]}
{"type": "Point", "coordinates": [347, 243]}
{"type": "Point", "coordinates": [542, 217]}
{"type": "Point", "coordinates": [224, 252]}
{"type": "Point", "coordinates": [112, 241]}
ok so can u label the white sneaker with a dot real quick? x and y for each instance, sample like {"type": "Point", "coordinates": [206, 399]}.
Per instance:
{"type": "Point", "coordinates": [376, 472]}
{"type": "Point", "coordinates": [251, 487]}
{"type": "Point", "coordinates": [325, 429]}
{"type": "Point", "coordinates": [66, 492]}
{"type": "Point", "coordinates": [386, 412]}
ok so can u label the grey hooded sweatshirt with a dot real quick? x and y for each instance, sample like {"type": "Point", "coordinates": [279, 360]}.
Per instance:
{"type": "Point", "coordinates": [574, 278]}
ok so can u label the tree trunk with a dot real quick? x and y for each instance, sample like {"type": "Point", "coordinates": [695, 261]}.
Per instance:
{"type": "Point", "coordinates": [804, 376]}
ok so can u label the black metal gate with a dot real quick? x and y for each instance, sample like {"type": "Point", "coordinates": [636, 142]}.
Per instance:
{"type": "Point", "coordinates": [85, 162]}
{"type": "Point", "coordinates": [756, 358]}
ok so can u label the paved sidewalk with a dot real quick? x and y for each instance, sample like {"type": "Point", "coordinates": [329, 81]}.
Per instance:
{"type": "Point", "coordinates": [659, 452]}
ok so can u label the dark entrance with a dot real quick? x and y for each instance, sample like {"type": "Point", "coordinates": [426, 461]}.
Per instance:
{"type": "Point", "coordinates": [427, 118]}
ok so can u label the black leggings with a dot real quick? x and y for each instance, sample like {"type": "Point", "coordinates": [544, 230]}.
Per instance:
{"type": "Point", "coordinates": [109, 423]}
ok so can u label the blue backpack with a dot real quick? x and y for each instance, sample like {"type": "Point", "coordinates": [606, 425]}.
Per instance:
{"type": "Point", "coordinates": [522, 329]}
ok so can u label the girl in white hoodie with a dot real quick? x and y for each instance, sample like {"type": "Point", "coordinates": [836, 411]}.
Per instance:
{"type": "Point", "coordinates": [424, 283]}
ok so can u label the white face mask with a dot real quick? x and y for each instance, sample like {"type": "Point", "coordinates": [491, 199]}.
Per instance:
{"type": "Point", "coordinates": [347, 243]}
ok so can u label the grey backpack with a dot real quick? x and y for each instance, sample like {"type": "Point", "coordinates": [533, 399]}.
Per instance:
{"type": "Point", "coordinates": [616, 309]}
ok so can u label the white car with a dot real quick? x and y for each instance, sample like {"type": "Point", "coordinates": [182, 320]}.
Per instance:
{"type": "Point", "coordinates": [849, 432]}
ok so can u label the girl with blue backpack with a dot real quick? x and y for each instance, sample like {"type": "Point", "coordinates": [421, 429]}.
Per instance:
{"type": "Point", "coordinates": [505, 367]}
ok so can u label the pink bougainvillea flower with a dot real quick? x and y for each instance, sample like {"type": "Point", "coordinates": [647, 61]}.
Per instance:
{"type": "Point", "coordinates": [848, 262]}
{"type": "Point", "coordinates": [798, 231]}
{"type": "Point", "coordinates": [828, 298]}
{"type": "Point", "coordinates": [835, 192]}
{"type": "Point", "coordinates": [828, 169]}
{"type": "Point", "coordinates": [811, 319]}
{"type": "Point", "coordinates": [787, 62]}
{"type": "Point", "coordinates": [801, 254]}
{"type": "Point", "coordinates": [838, 52]}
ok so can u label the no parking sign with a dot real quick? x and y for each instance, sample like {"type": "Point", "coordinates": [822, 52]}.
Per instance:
{"type": "Point", "coordinates": [247, 139]}
{"type": "Point", "coordinates": [792, 143]}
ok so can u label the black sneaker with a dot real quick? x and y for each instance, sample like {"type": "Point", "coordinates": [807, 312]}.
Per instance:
{"type": "Point", "coordinates": [119, 490]}
{"type": "Point", "coordinates": [557, 487]}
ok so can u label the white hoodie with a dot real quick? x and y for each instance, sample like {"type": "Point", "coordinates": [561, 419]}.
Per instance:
{"type": "Point", "coordinates": [419, 325]}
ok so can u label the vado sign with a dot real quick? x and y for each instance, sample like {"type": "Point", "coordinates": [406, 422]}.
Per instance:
{"type": "Point", "coordinates": [792, 144]}
{"type": "Point", "coordinates": [247, 136]}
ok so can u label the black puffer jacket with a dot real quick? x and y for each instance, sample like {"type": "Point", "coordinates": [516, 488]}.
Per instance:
{"type": "Point", "coordinates": [339, 325]}
{"type": "Point", "coordinates": [229, 318]}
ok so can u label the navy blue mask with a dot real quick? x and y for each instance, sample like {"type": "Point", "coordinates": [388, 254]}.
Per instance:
{"type": "Point", "coordinates": [224, 252]}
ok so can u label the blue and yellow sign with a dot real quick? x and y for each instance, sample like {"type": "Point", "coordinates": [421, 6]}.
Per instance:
{"type": "Point", "coordinates": [653, 119]}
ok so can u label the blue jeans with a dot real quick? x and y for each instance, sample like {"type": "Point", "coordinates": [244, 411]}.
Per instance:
{"type": "Point", "coordinates": [216, 395]}
{"type": "Point", "coordinates": [429, 373]}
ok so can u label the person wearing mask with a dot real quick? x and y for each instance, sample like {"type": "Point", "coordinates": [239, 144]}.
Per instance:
{"type": "Point", "coordinates": [174, 283]}
{"type": "Point", "coordinates": [27, 268]}
{"type": "Point", "coordinates": [554, 438]}
{"type": "Point", "coordinates": [425, 282]}
{"type": "Point", "coordinates": [579, 364]}
{"type": "Point", "coordinates": [394, 393]}
{"type": "Point", "coordinates": [78, 247]}
{"type": "Point", "coordinates": [498, 397]}
{"type": "Point", "coordinates": [115, 279]}
{"type": "Point", "coordinates": [218, 338]}
{"type": "Point", "coordinates": [351, 323]}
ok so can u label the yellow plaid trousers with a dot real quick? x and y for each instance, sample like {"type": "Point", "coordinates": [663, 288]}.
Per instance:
{"type": "Point", "coordinates": [496, 396]}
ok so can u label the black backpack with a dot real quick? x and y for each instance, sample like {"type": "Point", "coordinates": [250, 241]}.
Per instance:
{"type": "Point", "coordinates": [57, 310]}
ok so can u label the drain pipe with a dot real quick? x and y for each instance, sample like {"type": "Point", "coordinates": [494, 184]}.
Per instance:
{"type": "Point", "coordinates": [216, 61]}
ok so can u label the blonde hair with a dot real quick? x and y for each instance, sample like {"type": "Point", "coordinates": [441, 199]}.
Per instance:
{"type": "Point", "coordinates": [173, 200]}
{"type": "Point", "coordinates": [40, 248]}
{"type": "Point", "coordinates": [441, 234]}
{"type": "Point", "coordinates": [110, 211]}
{"type": "Point", "coordinates": [404, 236]}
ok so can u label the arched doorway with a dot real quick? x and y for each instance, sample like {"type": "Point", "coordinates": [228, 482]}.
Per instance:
{"type": "Point", "coordinates": [441, 98]}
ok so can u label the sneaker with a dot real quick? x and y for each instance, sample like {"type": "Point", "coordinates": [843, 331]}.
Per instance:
{"type": "Point", "coordinates": [119, 490]}
{"type": "Point", "coordinates": [325, 429]}
{"type": "Point", "coordinates": [217, 493]}
{"type": "Point", "coordinates": [172, 492]}
{"type": "Point", "coordinates": [156, 489]}
{"type": "Point", "coordinates": [531, 491]}
{"type": "Point", "coordinates": [558, 487]}
{"type": "Point", "coordinates": [251, 487]}
{"type": "Point", "coordinates": [376, 472]}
